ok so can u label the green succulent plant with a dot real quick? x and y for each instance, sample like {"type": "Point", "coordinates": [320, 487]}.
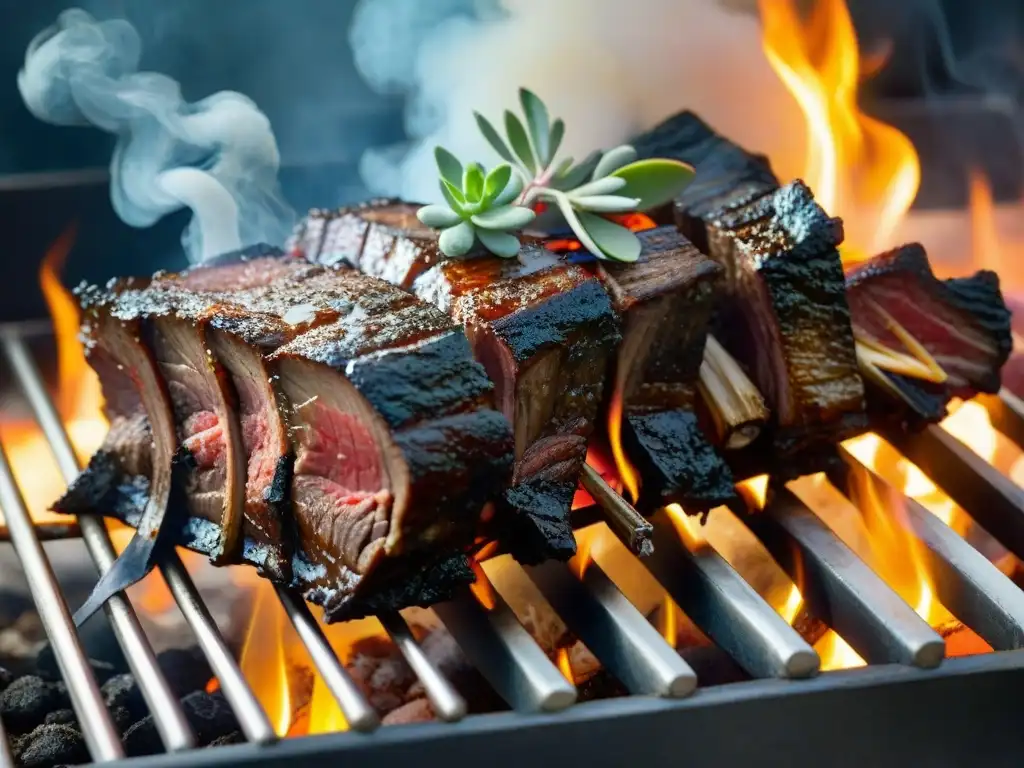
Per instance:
{"type": "Point", "coordinates": [604, 183]}
{"type": "Point", "coordinates": [479, 207]}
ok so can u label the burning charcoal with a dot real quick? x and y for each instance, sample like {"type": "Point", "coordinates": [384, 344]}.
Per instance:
{"type": "Point", "coordinates": [27, 701]}
{"type": "Point", "coordinates": [61, 717]}
{"type": "Point", "coordinates": [379, 669]}
{"type": "Point", "coordinates": [122, 718]}
{"type": "Point", "coordinates": [416, 711]}
{"type": "Point", "coordinates": [52, 745]}
{"type": "Point", "coordinates": [46, 665]}
{"type": "Point", "coordinates": [209, 715]}
{"type": "Point", "coordinates": [235, 737]}
{"type": "Point", "coordinates": [186, 669]}
{"type": "Point", "coordinates": [123, 691]}
{"type": "Point", "coordinates": [142, 738]}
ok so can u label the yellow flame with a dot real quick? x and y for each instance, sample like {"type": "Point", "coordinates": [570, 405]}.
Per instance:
{"type": "Point", "coordinates": [627, 473]}
{"type": "Point", "coordinates": [859, 168]}
{"type": "Point", "coordinates": [755, 490]}
{"type": "Point", "coordinates": [565, 665]}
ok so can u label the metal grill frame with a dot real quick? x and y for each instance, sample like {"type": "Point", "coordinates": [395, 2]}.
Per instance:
{"type": "Point", "coordinates": [855, 717]}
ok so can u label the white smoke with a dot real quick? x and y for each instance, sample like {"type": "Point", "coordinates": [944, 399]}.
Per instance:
{"type": "Point", "coordinates": [217, 157]}
{"type": "Point", "coordinates": [609, 68]}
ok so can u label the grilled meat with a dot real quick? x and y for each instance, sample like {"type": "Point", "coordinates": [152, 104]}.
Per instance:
{"type": "Point", "coordinates": [785, 315]}
{"type": "Point", "coordinates": [665, 300]}
{"type": "Point", "coordinates": [397, 450]}
{"type": "Point", "coordinates": [543, 330]}
{"type": "Point", "coordinates": [963, 324]}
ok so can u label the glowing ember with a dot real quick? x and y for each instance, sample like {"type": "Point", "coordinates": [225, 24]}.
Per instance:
{"type": "Point", "coordinates": [860, 169]}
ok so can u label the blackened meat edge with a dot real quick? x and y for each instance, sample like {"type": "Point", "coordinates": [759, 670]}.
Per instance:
{"type": "Point", "coordinates": [786, 316]}
{"type": "Point", "coordinates": [963, 323]}
{"type": "Point", "coordinates": [377, 528]}
{"type": "Point", "coordinates": [543, 330]}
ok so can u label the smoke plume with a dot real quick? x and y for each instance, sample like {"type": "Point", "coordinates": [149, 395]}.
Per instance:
{"type": "Point", "coordinates": [609, 68]}
{"type": "Point", "coordinates": [217, 157]}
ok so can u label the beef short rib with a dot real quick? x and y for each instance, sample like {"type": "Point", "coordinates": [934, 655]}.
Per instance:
{"type": "Point", "coordinates": [963, 323]}
{"type": "Point", "coordinates": [543, 330]}
{"type": "Point", "coordinates": [665, 301]}
{"type": "Point", "coordinates": [367, 429]}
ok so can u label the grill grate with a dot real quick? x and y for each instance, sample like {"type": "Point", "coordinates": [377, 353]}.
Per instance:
{"type": "Point", "coordinates": [840, 590]}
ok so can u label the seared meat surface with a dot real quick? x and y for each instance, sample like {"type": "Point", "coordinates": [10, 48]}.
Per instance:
{"type": "Point", "coordinates": [370, 447]}
{"type": "Point", "coordinates": [963, 323]}
{"type": "Point", "coordinates": [785, 314]}
{"type": "Point", "coordinates": [544, 331]}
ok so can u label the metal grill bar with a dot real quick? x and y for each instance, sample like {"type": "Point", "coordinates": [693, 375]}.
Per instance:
{"type": "Point", "coordinates": [841, 590]}
{"type": "Point", "coordinates": [726, 608]}
{"type": "Point", "coordinates": [448, 705]}
{"type": "Point", "coordinates": [973, 589]}
{"type": "Point", "coordinates": [358, 713]}
{"type": "Point", "coordinates": [6, 758]}
{"type": "Point", "coordinates": [495, 641]}
{"type": "Point", "coordinates": [167, 713]}
{"type": "Point", "coordinates": [614, 630]}
{"type": "Point", "coordinates": [251, 717]}
{"type": "Point", "coordinates": [1006, 412]}
{"type": "Point", "coordinates": [102, 738]}
{"type": "Point", "coordinates": [988, 496]}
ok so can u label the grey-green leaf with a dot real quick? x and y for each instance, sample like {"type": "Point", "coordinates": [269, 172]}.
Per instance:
{"type": "Point", "coordinates": [520, 142]}
{"type": "Point", "coordinates": [580, 173]}
{"type": "Point", "coordinates": [511, 192]}
{"type": "Point", "coordinates": [473, 182]}
{"type": "Point", "coordinates": [453, 195]}
{"type": "Point", "coordinates": [438, 216]}
{"type": "Point", "coordinates": [655, 181]}
{"type": "Point", "coordinates": [493, 137]}
{"type": "Point", "coordinates": [605, 203]}
{"type": "Point", "coordinates": [539, 124]}
{"type": "Point", "coordinates": [458, 240]}
{"type": "Point", "coordinates": [557, 133]}
{"type": "Point", "coordinates": [449, 166]}
{"type": "Point", "coordinates": [613, 241]}
{"type": "Point", "coordinates": [614, 159]}
{"type": "Point", "coordinates": [606, 186]}
{"type": "Point", "coordinates": [499, 243]}
{"type": "Point", "coordinates": [496, 182]}
{"type": "Point", "coordinates": [573, 220]}
{"type": "Point", "coordinates": [507, 217]}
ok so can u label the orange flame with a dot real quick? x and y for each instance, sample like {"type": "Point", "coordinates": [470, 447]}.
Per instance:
{"type": "Point", "coordinates": [482, 588]}
{"type": "Point", "coordinates": [627, 472]}
{"type": "Point", "coordinates": [565, 665]}
{"type": "Point", "coordinates": [861, 169]}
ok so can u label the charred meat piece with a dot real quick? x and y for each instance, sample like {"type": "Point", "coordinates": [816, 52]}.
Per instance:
{"type": "Point", "coordinates": [397, 450]}
{"type": "Point", "coordinates": [665, 300]}
{"type": "Point", "coordinates": [543, 330]}
{"type": "Point", "coordinates": [786, 317]}
{"type": "Point", "coordinates": [963, 324]}
{"type": "Point", "coordinates": [727, 174]}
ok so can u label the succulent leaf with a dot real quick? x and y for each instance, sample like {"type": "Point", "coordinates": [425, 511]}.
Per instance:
{"type": "Point", "coordinates": [655, 181]}
{"type": "Point", "coordinates": [473, 182]}
{"type": "Point", "coordinates": [613, 240]}
{"type": "Point", "coordinates": [458, 240]}
{"type": "Point", "coordinates": [579, 173]}
{"type": "Point", "coordinates": [572, 219]}
{"type": "Point", "coordinates": [614, 159]}
{"type": "Point", "coordinates": [505, 218]}
{"type": "Point", "coordinates": [493, 138]}
{"type": "Point", "coordinates": [496, 182]}
{"type": "Point", "coordinates": [539, 123]}
{"type": "Point", "coordinates": [511, 192]}
{"type": "Point", "coordinates": [499, 243]}
{"type": "Point", "coordinates": [453, 195]}
{"type": "Point", "coordinates": [449, 166]}
{"type": "Point", "coordinates": [557, 133]}
{"type": "Point", "coordinates": [605, 203]}
{"type": "Point", "coordinates": [606, 186]}
{"type": "Point", "coordinates": [438, 216]}
{"type": "Point", "coordinates": [520, 142]}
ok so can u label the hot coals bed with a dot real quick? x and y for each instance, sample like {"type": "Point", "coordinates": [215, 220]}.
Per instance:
{"type": "Point", "coordinates": [742, 684]}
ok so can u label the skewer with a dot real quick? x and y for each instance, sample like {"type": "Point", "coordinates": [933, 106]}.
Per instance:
{"type": "Point", "coordinates": [624, 521]}
{"type": "Point", "coordinates": [736, 404]}
{"type": "Point", "coordinates": [994, 501]}
{"type": "Point", "coordinates": [966, 583]}
{"type": "Point", "coordinates": [841, 589]}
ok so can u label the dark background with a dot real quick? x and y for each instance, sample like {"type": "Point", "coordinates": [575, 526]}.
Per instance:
{"type": "Point", "coordinates": [276, 51]}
